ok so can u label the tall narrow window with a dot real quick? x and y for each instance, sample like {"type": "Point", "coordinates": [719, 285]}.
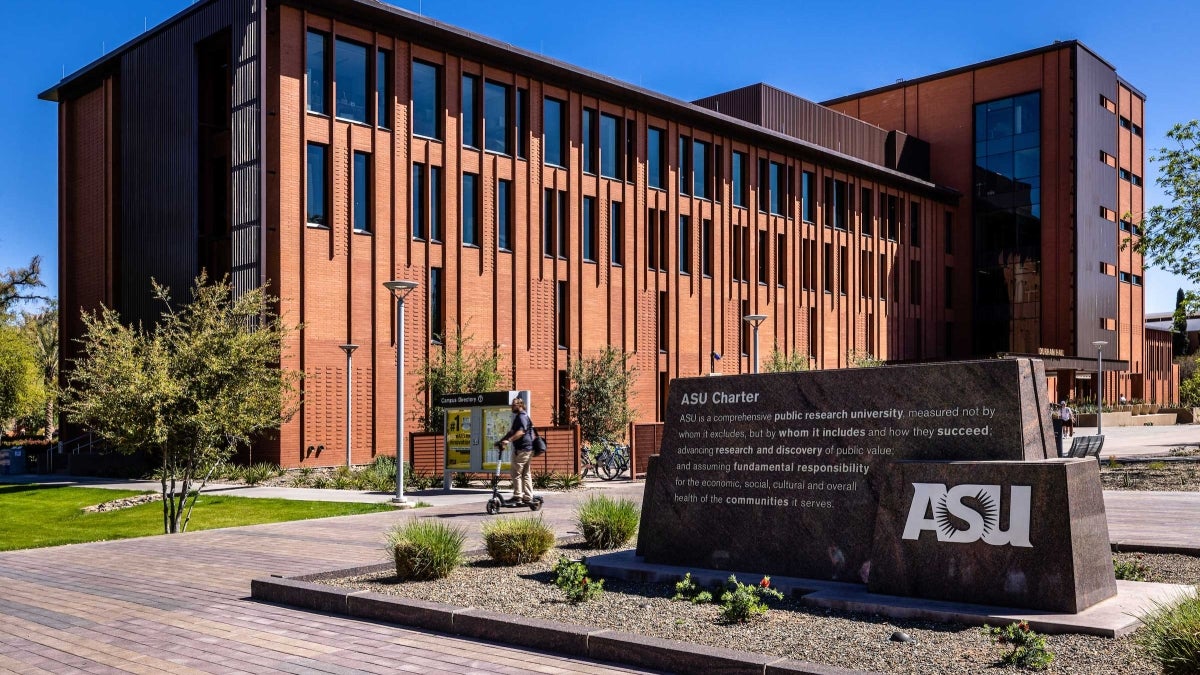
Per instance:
{"type": "Point", "coordinates": [426, 99]}
{"type": "Point", "coordinates": [470, 111]}
{"type": "Point", "coordinates": [685, 245]}
{"type": "Point", "coordinates": [914, 282]}
{"type": "Point", "coordinates": [561, 221]}
{"type": "Point", "coordinates": [435, 203]}
{"type": "Point", "coordinates": [780, 260]}
{"type": "Point", "coordinates": [778, 193]}
{"type": "Point", "coordinates": [914, 223]}
{"type": "Point", "coordinates": [764, 196]}
{"type": "Point", "coordinates": [437, 305]}
{"type": "Point", "coordinates": [744, 333]}
{"type": "Point", "coordinates": [685, 179]}
{"type": "Point", "coordinates": [664, 232]}
{"type": "Point", "coordinates": [809, 195]}
{"type": "Point", "coordinates": [804, 264]}
{"type": "Point", "coordinates": [362, 192]}
{"type": "Point", "coordinates": [663, 339]}
{"type": "Point", "coordinates": [470, 209]}
{"type": "Point", "coordinates": [383, 89]}
{"type": "Point", "coordinates": [843, 271]}
{"type": "Point", "coordinates": [318, 185]}
{"type": "Point", "coordinates": [745, 254]}
{"type": "Point", "coordinates": [883, 276]}
{"type": "Point", "coordinates": [589, 140]}
{"type": "Point", "coordinates": [651, 240]}
{"type": "Point", "coordinates": [561, 307]}
{"type": "Point", "coordinates": [522, 123]}
{"type": "Point", "coordinates": [316, 58]}
{"type": "Point", "coordinates": [827, 278]}
{"type": "Point", "coordinates": [701, 180]}
{"type": "Point", "coordinates": [418, 201]}
{"type": "Point", "coordinates": [548, 206]}
{"type": "Point", "coordinates": [554, 131]}
{"type": "Point", "coordinates": [739, 179]}
{"type": "Point", "coordinates": [590, 238]}
{"type": "Point", "coordinates": [706, 257]}
{"type": "Point", "coordinates": [630, 150]}
{"type": "Point", "coordinates": [351, 77]}
{"type": "Point", "coordinates": [497, 98]}
{"type": "Point", "coordinates": [868, 211]}
{"type": "Point", "coordinates": [738, 273]}
{"type": "Point", "coordinates": [763, 268]}
{"type": "Point", "coordinates": [610, 147]}
{"type": "Point", "coordinates": [864, 274]}
{"type": "Point", "coordinates": [656, 150]}
{"type": "Point", "coordinates": [616, 234]}
{"type": "Point", "coordinates": [504, 228]}
{"type": "Point", "coordinates": [891, 215]}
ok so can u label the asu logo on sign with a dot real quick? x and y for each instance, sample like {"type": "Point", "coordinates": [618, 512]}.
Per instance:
{"type": "Point", "coordinates": [967, 513]}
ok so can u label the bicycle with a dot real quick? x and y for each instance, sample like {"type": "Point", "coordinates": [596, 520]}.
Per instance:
{"type": "Point", "coordinates": [612, 460]}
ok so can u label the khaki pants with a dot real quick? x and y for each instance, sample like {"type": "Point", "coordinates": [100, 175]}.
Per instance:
{"type": "Point", "coordinates": [522, 478]}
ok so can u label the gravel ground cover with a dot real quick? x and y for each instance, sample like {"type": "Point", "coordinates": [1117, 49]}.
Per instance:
{"type": "Point", "coordinates": [789, 630]}
{"type": "Point", "coordinates": [1177, 476]}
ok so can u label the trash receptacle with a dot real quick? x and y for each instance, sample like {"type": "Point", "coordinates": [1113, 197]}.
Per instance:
{"type": "Point", "coordinates": [12, 461]}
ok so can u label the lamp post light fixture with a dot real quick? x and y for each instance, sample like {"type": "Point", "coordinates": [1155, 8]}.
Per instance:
{"type": "Point", "coordinates": [1099, 344]}
{"type": "Point", "coordinates": [400, 290]}
{"type": "Point", "coordinates": [349, 349]}
{"type": "Point", "coordinates": [755, 320]}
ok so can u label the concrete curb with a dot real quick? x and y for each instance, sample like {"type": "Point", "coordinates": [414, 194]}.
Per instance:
{"type": "Point", "coordinates": [550, 636]}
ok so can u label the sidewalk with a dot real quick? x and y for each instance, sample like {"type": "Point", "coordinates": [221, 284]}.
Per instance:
{"type": "Point", "coordinates": [1142, 441]}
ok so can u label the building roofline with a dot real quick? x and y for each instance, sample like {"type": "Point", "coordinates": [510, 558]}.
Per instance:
{"type": "Point", "coordinates": [448, 37]}
{"type": "Point", "coordinates": [1057, 45]}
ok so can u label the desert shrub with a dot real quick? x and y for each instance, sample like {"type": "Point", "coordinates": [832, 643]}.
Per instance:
{"type": "Point", "coordinates": [515, 541]}
{"type": "Point", "coordinates": [260, 472]}
{"type": "Point", "coordinates": [566, 481]}
{"type": "Point", "coordinates": [343, 479]}
{"type": "Point", "coordinates": [1156, 466]}
{"type": "Point", "coordinates": [1129, 570]}
{"type": "Point", "coordinates": [1171, 634]}
{"type": "Point", "coordinates": [425, 550]}
{"type": "Point", "coordinates": [571, 576]}
{"type": "Point", "coordinates": [1028, 649]}
{"type": "Point", "coordinates": [461, 480]}
{"type": "Point", "coordinates": [688, 589]}
{"type": "Point", "coordinates": [319, 482]}
{"type": "Point", "coordinates": [298, 480]}
{"type": "Point", "coordinates": [416, 480]}
{"type": "Point", "coordinates": [542, 480]}
{"type": "Point", "coordinates": [741, 602]}
{"type": "Point", "coordinates": [607, 523]}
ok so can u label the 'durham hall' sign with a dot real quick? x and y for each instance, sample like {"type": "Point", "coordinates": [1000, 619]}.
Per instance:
{"type": "Point", "coordinates": [935, 481]}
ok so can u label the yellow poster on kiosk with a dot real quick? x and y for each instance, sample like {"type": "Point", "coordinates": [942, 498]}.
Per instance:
{"type": "Point", "coordinates": [458, 439]}
{"type": "Point", "coordinates": [496, 423]}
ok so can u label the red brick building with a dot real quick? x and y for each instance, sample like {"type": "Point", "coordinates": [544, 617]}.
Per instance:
{"type": "Point", "coordinates": [328, 146]}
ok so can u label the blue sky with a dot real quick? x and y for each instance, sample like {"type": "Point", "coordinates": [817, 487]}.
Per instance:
{"type": "Point", "coordinates": [682, 48]}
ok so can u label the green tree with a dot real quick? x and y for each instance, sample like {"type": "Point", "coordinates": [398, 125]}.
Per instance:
{"type": "Point", "coordinates": [16, 283]}
{"type": "Point", "coordinates": [455, 368]}
{"type": "Point", "coordinates": [1171, 234]}
{"type": "Point", "coordinates": [778, 362]}
{"type": "Point", "coordinates": [201, 383]}
{"type": "Point", "coordinates": [602, 387]}
{"type": "Point", "coordinates": [1189, 392]}
{"type": "Point", "coordinates": [41, 332]}
{"type": "Point", "coordinates": [1179, 334]}
{"type": "Point", "coordinates": [18, 376]}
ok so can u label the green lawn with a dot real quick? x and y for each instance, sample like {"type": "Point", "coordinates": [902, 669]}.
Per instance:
{"type": "Point", "coordinates": [32, 516]}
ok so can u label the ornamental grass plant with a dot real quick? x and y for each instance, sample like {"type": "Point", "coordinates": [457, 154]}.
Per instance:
{"type": "Point", "coordinates": [607, 523]}
{"type": "Point", "coordinates": [425, 550]}
{"type": "Point", "coordinates": [1171, 634]}
{"type": "Point", "coordinates": [516, 541]}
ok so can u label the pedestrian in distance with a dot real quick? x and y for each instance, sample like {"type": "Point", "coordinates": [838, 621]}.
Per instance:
{"type": "Point", "coordinates": [1068, 419]}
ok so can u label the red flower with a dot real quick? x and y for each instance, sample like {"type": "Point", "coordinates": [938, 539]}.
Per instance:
{"type": "Point", "coordinates": [765, 583]}
{"type": "Point", "coordinates": [584, 581]}
{"type": "Point", "coordinates": [1024, 625]}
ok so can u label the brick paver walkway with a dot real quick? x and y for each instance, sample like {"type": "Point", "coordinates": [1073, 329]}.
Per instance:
{"type": "Point", "coordinates": [180, 604]}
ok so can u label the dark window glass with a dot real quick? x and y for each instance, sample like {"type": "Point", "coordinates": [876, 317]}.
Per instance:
{"type": "Point", "coordinates": [914, 223]}
{"type": "Point", "coordinates": [426, 99]}
{"type": "Point", "coordinates": [554, 131]}
{"type": "Point", "coordinates": [561, 221]}
{"type": "Point", "coordinates": [548, 203]}
{"type": "Point", "coordinates": [739, 179]}
{"type": "Point", "coordinates": [744, 333]}
{"type": "Point", "coordinates": [809, 196]}
{"type": "Point", "coordinates": [523, 123]}
{"type": "Point", "coordinates": [655, 166]}
{"type": "Point", "coordinates": [827, 278]}
{"type": "Point", "coordinates": [763, 271]}
{"type": "Point", "coordinates": [780, 260]}
{"type": "Point", "coordinates": [685, 245]}
{"type": "Point", "coordinates": [470, 111]}
{"type": "Point", "coordinates": [589, 141]}
{"type": "Point", "coordinates": [914, 282]}
{"type": "Point", "coordinates": [590, 243]}
{"type": "Point", "coordinates": [616, 234]}
{"type": "Point", "coordinates": [685, 180]}
{"type": "Point", "coordinates": [383, 89]}
{"type": "Point", "coordinates": [868, 211]}
{"type": "Point", "coordinates": [317, 83]}
{"type": "Point", "coordinates": [865, 275]}
{"type": "Point", "coordinates": [437, 305]}
{"type": "Point", "coordinates": [778, 194]}
{"type": "Point", "coordinates": [435, 203]}
{"type": "Point", "coordinates": [630, 150]}
{"type": "Point", "coordinates": [843, 271]}
{"type": "Point", "coordinates": [651, 240]}
{"type": "Point", "coordinates": [362, 192]}
{"type": "Point", "coordinates": [418, 201]}
{"type": "Point", "coordinates": [706, 257]}
{"type": "Point", "coordinates": [561, 308]}
{"type": "Point", "coordinates": [663, 234]}
{"type": "Point", "coordinates": [883, 276]}
{"type": "Point", "coordinates": [837, 204]}
{"type": "Point", "coordinates": [318, 185]}
{"type": "Point", "coordinates": [763, 191]}
{"type": "Point", "coordinates": [610, 156]}
{"type": "Point", "coordinates": [700, 176]}
{"type": "Point", "coordinates": [504, 233]}
{"type": "Point", "coordinates": [496, 101]}
{"type": "Point", "coordinates": [663, 338]}
{"type": "Point", "coordinates": [351, 76]}
{"type": "Point", "coordinates": [470, 209]}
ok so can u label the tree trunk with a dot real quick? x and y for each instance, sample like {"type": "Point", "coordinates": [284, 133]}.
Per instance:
{"type": "Point", "coordinates": [163, 477]}
{"type": "Point", "coordinates": [49, 434]}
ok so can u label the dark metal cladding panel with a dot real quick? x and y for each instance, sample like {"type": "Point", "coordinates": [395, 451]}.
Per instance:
{"type": "Point", "coordinates": [1096, 186]}
{"type": "Point", "coordinates": [158, 156]}
{"type": "Point", "coordinates": [800, 118]}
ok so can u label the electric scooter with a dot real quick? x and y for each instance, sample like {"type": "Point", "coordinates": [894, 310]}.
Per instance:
{"type": "Point", "coordinates": [497, 500]}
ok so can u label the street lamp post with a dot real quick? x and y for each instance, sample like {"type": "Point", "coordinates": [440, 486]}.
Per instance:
{"type": "Point", "coordinates": [349, 349]}
{"type": "Point", "coordinates": [755, 320]}
{"type": "Point", "coordinates": [400, 290]}
{"type": "Point", "coordinates": [1099, 344]}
